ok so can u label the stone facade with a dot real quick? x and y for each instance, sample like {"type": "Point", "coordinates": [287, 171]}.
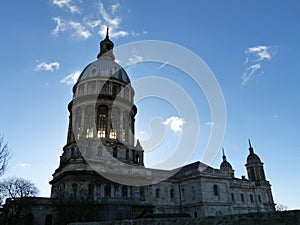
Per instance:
{"type": "Point", "coordinates": [102, 177]}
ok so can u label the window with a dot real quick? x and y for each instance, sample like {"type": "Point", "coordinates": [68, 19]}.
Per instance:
{"type": "Point", "coordinates": [123, 135]}
{"type": "Point", "coordinates": [89, 133]}
{"type": "Point", "coordinates": [242, 197]}
{"type": "Point", "coordinates": [124, 192]}
{"type": "Point", "coordinates": [137, 158]}
{"type": "Point", "coordinates": [74, 190]}
{"type": "Point", "coordinates": [115, 153]}
{"type": "Point", "coordinates": [127, 154]}
{"type": "Point", "coordinates": [91, 190]}
{"type": "Point", "coordinates": [232, 197]}
{"type": "Point", "coordinates": [172, 193]}
{"type": "Point", "coordinates": [102, 121]}
{"type": "Point", "coordinates": [259, 198]}
{"type": "Point", "coordinates": [113, 134]}
{"type": "Point", "coordinates": [216, 190]}
{"type": "Point", "coordinates": [48, 219]}
{"type": "Point", "coordinates": [157, 193]}
{"type": "Point", "coordinates": [195, 214]}
{"type": "Point", "coordinates": [142, 194]}
{"type": "Point", "coordinates": [107, 190]}
{"type": "Point", "coordinates": [251, 198]}
{"type": "Point", "coordinates": [193, 192]}
{"type": "Point", "coordinates": [115, 90]}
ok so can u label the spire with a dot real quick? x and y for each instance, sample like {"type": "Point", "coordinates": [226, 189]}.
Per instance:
{"type": "Point", "coordinates": [250, 147]}
{"type": "Point", "coordinates": [106, 48]}
{"type": "Point", "coordinates": [224, 156]}
{"type": "Point", "coordinates": [107, 31]}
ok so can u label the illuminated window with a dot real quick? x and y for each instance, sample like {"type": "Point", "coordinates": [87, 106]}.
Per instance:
{"type": "Point", "coordinates": [123, 135]}
{"type": "Point", "coordinates": [78, 133]}
{"type": "Point", "coordinates": [89, 133]}
{"type": "Point", "coordinates": [102, 121]}
{"type": "Point", "coordinates": [113, 134]}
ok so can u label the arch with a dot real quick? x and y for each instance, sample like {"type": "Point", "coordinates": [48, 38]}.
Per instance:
{"type": "Point", "coordinates": [107, 190]}
{"type": "Point", "coordinates": [142, 193]}
{"type": "Point", "coordinates": [242, 197]}
{"type": "Point", "coordinates": [157, 193]}
{"type": "Point", "coordinates": [124, 191]}
{"type": "Point", "coordinates": [102, 118]}
{"type": "Point", "coordinates": [48, 219]}
{"type": "Point", "coordinates": [172, 193]}
{"type": "Point", "coordinates": [251, 198]}
{"type": "Point", "coordinates": [74, 190]}
{"type": "Point", "coordinates": [216, 190]}
{"type": "Point", "coordinates": [91, 189]}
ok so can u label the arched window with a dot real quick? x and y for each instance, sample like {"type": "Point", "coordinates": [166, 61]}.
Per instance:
{"type": "Point", "coordinates": [107, 190]}
{"type": "Point", "coordinates": [216, 190]}
{"type": "Point", "coordinates": [48, 219]}
{"type": "Point", "coordinates": [115, 90]}
{"type": "Point", "coordinates": [137, 158]}
{"type": "Point", "coordinates": [115, 152]}
{"type": "Point", "coordinates": [102, 121]}
{"type": "Point", "coordinates": [172, 193]}
{"type": "Point", "coordinates": [74, 190]}
{"type": "Point", "coordinates": [91, 190]}
{"type": "Point", "coordinates": [242, 197]}
{"type": "Point", "coordinates": [124, 192]}
{"type": "Point", "coordinates": [142, 194]}
{"type": "Point", "coordinates": [195, 214]}
{"type": "Point", "coordinates": [232, 197]}
{"type": "Point", "coordinates": [259, 198]}
{"type": "Point", "coordinates": [76, 122]}
{"type": "Point", "coordinates": [89, 121]}
{"type": "Point", "coordinates": [157, 193]}
{"type": "Point", "coordinates": [251, 198]}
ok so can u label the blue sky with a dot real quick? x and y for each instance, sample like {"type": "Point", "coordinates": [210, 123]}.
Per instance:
{"type": "Point", "coordinates": [252, 47]}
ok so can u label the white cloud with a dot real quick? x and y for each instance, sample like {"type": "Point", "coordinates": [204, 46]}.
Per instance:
{"type": "Point", "coordinates": [175, 123]}
{"type": "Point", "coordinates": [47, 66]}
{"type": "Point", "coordinates": [77, 29]}
{"type": "Point", "coordinates": [71, 78]}
{"type": "Point", "coordinates": [67, 4]}
{"type": "Point", "coordinates": [84, 27]}
{"type": "Point", "coordinates": [254, 58]}
{"type": "Point", "coordinates": [24, 165]}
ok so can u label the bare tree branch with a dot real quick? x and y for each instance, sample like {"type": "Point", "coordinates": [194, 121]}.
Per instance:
{"type": "Point", "coordinates": [4, 155]}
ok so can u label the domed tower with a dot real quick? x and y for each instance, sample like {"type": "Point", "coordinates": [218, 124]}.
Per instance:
{"type": "Point", "coordinates": [101, 126]}
{"type": "Point", "coordinates": [226, 166]}
{"type": "Point", "coordinates": [255, 168]}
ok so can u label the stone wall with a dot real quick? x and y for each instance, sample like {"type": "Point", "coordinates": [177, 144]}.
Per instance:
{"type": "Point", "coordinates": [273, 218]}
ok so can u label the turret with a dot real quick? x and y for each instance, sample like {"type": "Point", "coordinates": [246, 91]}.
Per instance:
{"type": "Point", "coordinates": [226, 166]}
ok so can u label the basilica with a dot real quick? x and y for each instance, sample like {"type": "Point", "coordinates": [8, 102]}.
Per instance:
{"type": "Point", "coordinates": [102, 177]}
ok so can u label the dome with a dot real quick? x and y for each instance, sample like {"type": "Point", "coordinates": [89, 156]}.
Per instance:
{"type": "Point", "coordinates": [104, 68]}
{"type": "Point", "coordinates": [253, 158]}
{"type": "Point", "coordinates": [225, 166]}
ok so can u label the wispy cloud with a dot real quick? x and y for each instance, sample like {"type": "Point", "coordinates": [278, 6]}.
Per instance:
{"type": "Point", "coordinates": [93, 23]}
{"type": "Point", "coordinates": [44, 66]}
{"type": "Point", "coordinates": [68, 4]}
{"type": "Point", "coordinates": [254, 59]}
{"type": "Point", "coordinates": [175, 123]}
{"type": "Point", "coordinates": [77, 29]}
{"type": "Point", "coordinates": [71, 78]}
{"type": "Point", "coordinates": [135, 57]}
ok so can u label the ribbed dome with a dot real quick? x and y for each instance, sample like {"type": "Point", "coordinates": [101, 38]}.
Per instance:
{"type": "Point", "coordinates": [253, 158]}
{"type": "Point", "coordinates": [104, 68]}
{"type": "Point", "coordinates": [225, 166]}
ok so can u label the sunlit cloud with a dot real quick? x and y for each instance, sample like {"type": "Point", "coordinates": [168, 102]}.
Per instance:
{"type": "Point", "coordinates": [68, 4]}
{"type": "Point", "coordinates": [77, 29]}
{"type": "Point", "coordinates": [71, 78]}
{"type": "Point", "coordinates": [254, 59]}
{"type": "Point", "coordinates": [175, 123]}
{"type": "Point", "coordinates": [44, 66]}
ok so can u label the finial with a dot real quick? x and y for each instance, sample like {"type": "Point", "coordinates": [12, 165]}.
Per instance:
{"type": "Point", "coordinates": [250, 146]}
{"type": "Point", "coordinates": [107, 30]}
